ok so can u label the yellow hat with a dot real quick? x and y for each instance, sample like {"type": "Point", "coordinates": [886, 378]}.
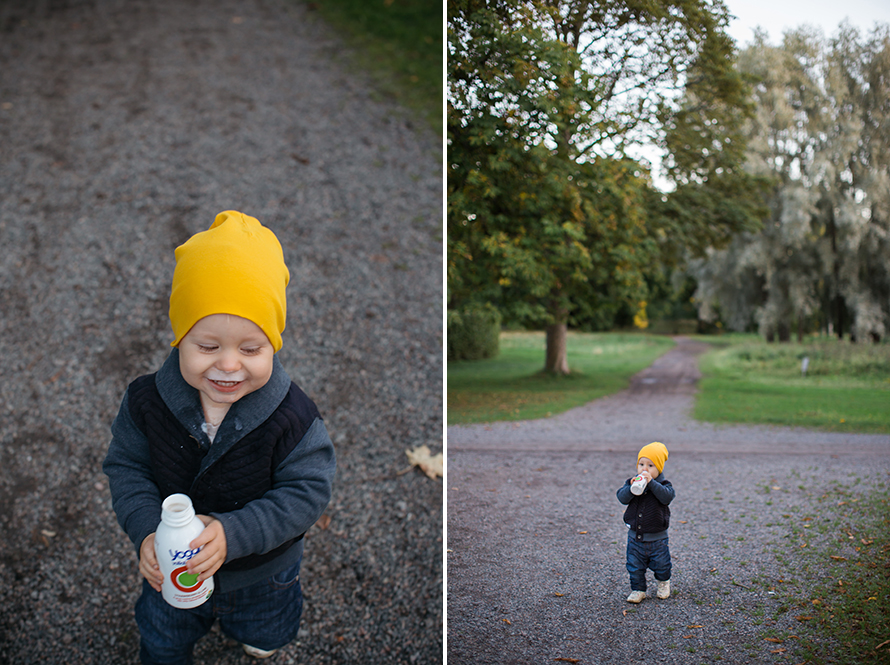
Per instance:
{"type": "Point", "coordinates": [657, 452]}
{"type": "Point", "coordinates": [234, 267]}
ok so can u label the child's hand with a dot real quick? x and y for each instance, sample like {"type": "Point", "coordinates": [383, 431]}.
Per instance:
{"type": "Point", "coordinates": [148, 563]}
{"type": "Point", "coordinates": [646, 475]}
{"type": "Point", "coordinates": [213, 555]}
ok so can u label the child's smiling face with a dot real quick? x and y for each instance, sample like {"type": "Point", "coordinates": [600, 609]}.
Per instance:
{"type": "Point", "coordinates": [646, 464]}
{"type": "Point", "coordinates": [225, 357]}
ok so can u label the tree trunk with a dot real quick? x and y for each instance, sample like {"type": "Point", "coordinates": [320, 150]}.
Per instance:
{"type": "Point", "coordinates": [784, 332]}
{"type": "Point", "coordinates": [557, 355]}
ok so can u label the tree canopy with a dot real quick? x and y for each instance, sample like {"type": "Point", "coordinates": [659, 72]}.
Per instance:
{"type": "Point", "coordinates": [821, 133]}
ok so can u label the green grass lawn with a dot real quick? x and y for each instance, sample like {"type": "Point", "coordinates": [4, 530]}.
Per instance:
{"type": "Point", "coordinates": [513, 387]}
{"type": "Point", "coordinates": [846, 388]}
{"type": "Point", "coordinates": [400, 43]}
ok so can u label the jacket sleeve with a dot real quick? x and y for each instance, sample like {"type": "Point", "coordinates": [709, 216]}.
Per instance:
{"type": "Point", "coordinates": [301, 490]}
{"type": "Point", "coordinates": [624, 493]}
{"type": "Point", "coordinates": [134, 494]}
{"type": "Point", "coordinates": [663, 491]}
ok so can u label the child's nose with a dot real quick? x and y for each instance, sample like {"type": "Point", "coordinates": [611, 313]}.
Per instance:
{"type": "Point", "coordinates": [229, 362]}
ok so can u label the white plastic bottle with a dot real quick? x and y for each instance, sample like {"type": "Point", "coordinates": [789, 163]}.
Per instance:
{"type": "Point", "coordinates": [638, 484]}
{"type": "Point", "coordinates": [179, 526]}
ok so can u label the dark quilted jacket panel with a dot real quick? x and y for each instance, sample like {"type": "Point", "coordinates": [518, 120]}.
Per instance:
{"type": "Point", "coordinates": [242, 474]}
{"type": "Point", "coordinates": [646, 514]}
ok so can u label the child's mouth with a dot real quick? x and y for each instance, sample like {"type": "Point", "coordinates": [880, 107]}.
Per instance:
{"type": "Point", "coordinates": [225, 386]}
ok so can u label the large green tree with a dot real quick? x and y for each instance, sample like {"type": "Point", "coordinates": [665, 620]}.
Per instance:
{"type": "Point", "coordinates": [820, 132]}
{"type": "Point", "coordinates": [547, 98]}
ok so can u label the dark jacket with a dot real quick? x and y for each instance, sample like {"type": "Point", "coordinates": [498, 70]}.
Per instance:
{"type": "Point", "coordinates": [267, 477]}
{"type": "Point", "coordinates": [648, 515]}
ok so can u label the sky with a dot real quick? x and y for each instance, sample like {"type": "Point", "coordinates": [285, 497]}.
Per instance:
{"type": "Point", "coordinates": [777, 16]}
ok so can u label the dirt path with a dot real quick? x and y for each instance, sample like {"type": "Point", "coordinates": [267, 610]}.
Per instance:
{"type": "Point", "coordinates": [536, 542]}
{"type": "Point", "coordinates": [655, 407]}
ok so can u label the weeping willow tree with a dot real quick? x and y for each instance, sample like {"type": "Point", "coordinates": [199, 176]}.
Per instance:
{"type": "Point", "coordinates": [821, 132]}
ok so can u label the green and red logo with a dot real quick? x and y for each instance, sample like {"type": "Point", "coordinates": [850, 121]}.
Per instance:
{"type": "Point", "coordinates": [184, 580]}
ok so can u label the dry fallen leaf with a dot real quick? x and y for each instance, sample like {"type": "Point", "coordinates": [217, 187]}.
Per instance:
{"type": "Point", "coordinates": [582, 532]}
{"type": "Point", "coordinates": [507, 621]}
{"type": "Point", "coordinates": [323, 522]}
{"type": "Point", "coordinates": [431, 465]}
{"type": "Point", "coordinates": [782, 650]}
{"type": "Point", "coordinates": [772, 639]}
{"type": "Point", "coordinates": [803, 618]}
{"type": "Point", "coordinates": [568, 660]}
{"type": "Point", "coordinates": [838, 558]}
{"type": "Point", "coordinates": [694, 625]}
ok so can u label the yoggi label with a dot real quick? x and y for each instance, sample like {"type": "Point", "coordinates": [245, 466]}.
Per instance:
{"type": "Point", "coordinates": [178, 555]}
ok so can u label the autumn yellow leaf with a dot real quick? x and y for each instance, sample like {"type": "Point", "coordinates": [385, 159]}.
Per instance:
{"type": "Point", "coordinates": [582, 532]}
{"type": "Point", "coordinates": [838, 558]}
{"type": "Point", "coordinates": [558, 595]}
{"type": "Point", "coordinates": [507, 621]}
{"type": "Point", "coordinates": [431, 465]}
{"type": "Point", "coordinates": [694, 625]}
{"type": "Point", "coordinates": [775, 640]}
{"type": "Point", "coordinates": [804, 618]}
{"type": "Point", "coordinates": [782, 650]}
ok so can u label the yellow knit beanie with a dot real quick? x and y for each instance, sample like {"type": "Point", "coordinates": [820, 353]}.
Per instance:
{"type": "Point", "coordinates": [657, 452]}
{"type": "Point", "coordinates": [234, 267]}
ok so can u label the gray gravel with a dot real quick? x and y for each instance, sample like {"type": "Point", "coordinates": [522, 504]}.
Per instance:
{"type": "Point", "coordinates": [536, 542]}
{"type": "Point", "coordinates": [125, 126]}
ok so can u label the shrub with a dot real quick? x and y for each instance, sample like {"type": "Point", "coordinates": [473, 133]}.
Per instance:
{"type": "Point", "coordinates": [473, 333]}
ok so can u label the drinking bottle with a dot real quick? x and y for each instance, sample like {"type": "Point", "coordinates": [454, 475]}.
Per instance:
{"type": "Point", "coordinates": [179, 526]}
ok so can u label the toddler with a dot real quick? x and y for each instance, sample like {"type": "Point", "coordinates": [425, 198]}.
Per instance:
{"type": "Point", "coordinates": [222, 422]}
{"type": "Point", "coordinates": [647, 517]}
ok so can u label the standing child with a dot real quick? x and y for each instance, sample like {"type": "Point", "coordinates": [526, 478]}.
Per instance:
{"type": "Point", "coordinates": [647, 518]}
{"type": "Point", "coordinates": [222, 422]}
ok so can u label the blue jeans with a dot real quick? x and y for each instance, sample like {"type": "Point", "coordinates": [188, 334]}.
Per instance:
{"type": "Point", "coordinates": [642, 555]}
{"type": "Point", "coordinates": [265, 615]}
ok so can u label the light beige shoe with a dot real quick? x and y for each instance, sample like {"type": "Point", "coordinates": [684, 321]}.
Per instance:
{"type": "Point", "coordinates": [664, 589]}
{"type": "Point", "coordinates": [258, 653]}
{"type": "Point", "coordinates": [636, 596]}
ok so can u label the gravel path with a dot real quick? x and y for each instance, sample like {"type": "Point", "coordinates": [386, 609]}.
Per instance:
{"type": "Point", "coordinates": [536, 540]}
{"type": "Point", "coordinates": [125, 126]}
